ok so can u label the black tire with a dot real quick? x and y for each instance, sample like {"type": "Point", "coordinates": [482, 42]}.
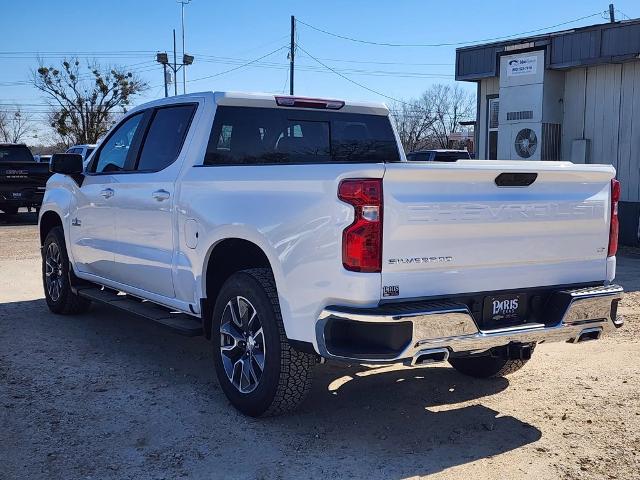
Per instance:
{"type": "Point", "coordinates": [62, 300]}
{"type": "Point", "coordinates": [9, 210]}
{"type": "Point", "coordinates": [486, 366]}
{"type": "Point", "coordinates": [286, 374]}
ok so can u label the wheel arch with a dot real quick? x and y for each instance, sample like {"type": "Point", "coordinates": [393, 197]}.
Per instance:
{"type": "Point", "coordinates": [224, 258]}
{"type": "Point", "coordinates": [48, 220]}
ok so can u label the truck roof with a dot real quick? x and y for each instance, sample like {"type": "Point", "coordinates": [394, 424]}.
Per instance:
{"type": "Point", "coordinates": [268, 100]}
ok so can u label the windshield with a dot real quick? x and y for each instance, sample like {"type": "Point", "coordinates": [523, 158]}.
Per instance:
{"type": "Point", "coordinates": [15, 153]}
{"type": "Point", "coordinates": [250, 136]}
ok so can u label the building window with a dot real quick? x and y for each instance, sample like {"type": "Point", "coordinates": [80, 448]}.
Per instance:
{"type": "Point", "coordinates": [492, 130]}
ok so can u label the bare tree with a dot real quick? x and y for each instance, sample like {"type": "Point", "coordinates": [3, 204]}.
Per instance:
{"type": "Point", "coordinates": [413, 121]}
{"type": "Point", "coordinates": [84, 105]}
{"type": "Point", "coordinates": [15, 125]}
{"type": "Point", "coordinates": [428, 121]}
{"type": "Point", "coordinates": [449, 105]}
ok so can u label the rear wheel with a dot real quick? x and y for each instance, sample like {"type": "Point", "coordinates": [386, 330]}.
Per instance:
{"type": "Point", "coordinates": [258, 371]}
{"type": "Point", "coordinates": [55, 276]}
{"type": "Point", "coordinates": [486, 366]}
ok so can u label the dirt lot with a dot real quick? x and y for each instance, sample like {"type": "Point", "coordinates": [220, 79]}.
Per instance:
{"type": "Point", "coordinates": [105, 395]}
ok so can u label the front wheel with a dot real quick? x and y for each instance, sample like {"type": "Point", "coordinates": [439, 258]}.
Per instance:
{"type": "Point", "coordinates": [55, 276]}
{"type": "Point", "coordinates": [258, 371]}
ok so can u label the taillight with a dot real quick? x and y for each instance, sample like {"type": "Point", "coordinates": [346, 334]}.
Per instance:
{"type": "Point", "coordinates": [362, 240]}
{"type": "Point", "coordinates": [615, 226]}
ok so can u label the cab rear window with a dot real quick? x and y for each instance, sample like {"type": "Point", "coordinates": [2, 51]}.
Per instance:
{"type": "Point", "coordinates": [259, 136]}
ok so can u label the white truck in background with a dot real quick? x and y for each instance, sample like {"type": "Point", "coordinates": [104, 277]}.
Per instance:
{"type": "Point", "coordinates": [288, 230]}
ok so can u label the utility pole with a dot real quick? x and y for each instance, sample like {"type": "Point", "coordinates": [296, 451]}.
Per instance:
{"type": "Point", "coordinates": [163, 59]}
{"type": "Point", "coordinates": [292, 53]}
{"type": "Point", "coordinates": [175, 65]}
{"type": "Point", "coordinates": [166, 87]}
{"type": "Point", "coordinates": [184, 70]}
{"type": "Point", "coordinates": [612, 14]}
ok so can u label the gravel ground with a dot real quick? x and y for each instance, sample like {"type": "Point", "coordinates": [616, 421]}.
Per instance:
{"type": "Point", "coordinates": [109, 396]}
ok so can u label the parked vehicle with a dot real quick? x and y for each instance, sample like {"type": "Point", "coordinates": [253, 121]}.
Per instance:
{"type": "Point", "coordinates": [288, 230]}
{"type": "Point", "coordinates": [22, 180]}
{"type": "Point", "coordinates": [440, 155]}
{"type": "Point", "coordinates": [84, 150]}
{"type": "Point", "coordinates": [42, 158]}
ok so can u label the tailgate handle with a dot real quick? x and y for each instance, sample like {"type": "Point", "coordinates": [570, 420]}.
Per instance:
{"type": "Point", "coordinates": [516, 179]}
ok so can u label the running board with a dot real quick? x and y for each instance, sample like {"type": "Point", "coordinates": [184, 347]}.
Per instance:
{"type": "Point", "coordinates": [178, 322]}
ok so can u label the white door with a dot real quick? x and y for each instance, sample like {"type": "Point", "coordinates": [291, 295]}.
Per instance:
{"type": "Point", "coordinates": [145, 204]}
{"type": "Point", "coordinates": [92, 226]}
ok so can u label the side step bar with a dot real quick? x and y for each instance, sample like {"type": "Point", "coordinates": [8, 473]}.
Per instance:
{"type": "Point", "coordinates": [178, 322]}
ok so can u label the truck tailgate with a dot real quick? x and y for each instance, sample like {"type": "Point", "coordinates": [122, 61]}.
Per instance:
{"type": "Point", "coordinates": [449, 228]}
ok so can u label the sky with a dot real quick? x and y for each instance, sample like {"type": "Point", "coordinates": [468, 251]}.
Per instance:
{"type": "Point", "coordinates": [224, 35]}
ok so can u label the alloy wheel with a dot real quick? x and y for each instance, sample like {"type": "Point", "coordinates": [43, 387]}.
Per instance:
{"type": "Point", "coordinates": [242, 344]}
{"type": "Point", "coordinates": [53, 271]}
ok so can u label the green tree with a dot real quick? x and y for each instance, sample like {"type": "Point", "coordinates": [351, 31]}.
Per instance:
{"type": "Point", "coordinates": [84, 106]}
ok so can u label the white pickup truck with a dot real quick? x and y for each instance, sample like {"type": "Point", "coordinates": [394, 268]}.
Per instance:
{"type": "Point", "coordinates": [290, 230]}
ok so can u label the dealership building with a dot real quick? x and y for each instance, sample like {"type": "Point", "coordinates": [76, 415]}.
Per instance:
{"type": "Point", "coordinates": [570, 95]}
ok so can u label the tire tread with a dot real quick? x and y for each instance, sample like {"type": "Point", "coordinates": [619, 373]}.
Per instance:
{"type": "Point", "coordinates": [296, 368]}
{"type": "Point", "coordinates": [72, 304]}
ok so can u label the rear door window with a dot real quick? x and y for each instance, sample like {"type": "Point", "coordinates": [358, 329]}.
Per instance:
{"type": "Point", "coordinates": [258, 136]}
{"type": "Point", "coordinates": [165, 137]}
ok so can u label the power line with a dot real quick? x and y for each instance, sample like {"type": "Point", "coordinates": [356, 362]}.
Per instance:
{"type": "Point", "coordinates": [351, 80]}
{"type": "Point", "coordinates": [449, 44]}
{"type": "Point", "coordinates": [86, 76]}
{"type": "Point", "coordinates": [239, 66]}
{"type": "Point", "coordinates": [623, 14]}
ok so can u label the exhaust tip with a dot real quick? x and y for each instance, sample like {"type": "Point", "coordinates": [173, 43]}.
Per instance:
{"type": "Point", "coordinates": [425, 357]}
{"type": "Point", "coordinates": [589, 334]}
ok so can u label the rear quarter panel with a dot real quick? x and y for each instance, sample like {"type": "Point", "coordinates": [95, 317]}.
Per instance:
{"type": "Point", "coordinates": [293, 214]}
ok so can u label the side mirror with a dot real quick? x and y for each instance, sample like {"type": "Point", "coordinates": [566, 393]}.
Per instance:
{"type": "Point", "coordinates": [66, 163]}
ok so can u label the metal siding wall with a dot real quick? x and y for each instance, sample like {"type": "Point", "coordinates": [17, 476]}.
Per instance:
{"type": "Point", "coordinates": [602, 117]}
{"type": "Point", "coordinates": [634, 161]}
{"type": "Point", "coordinates": [574, 109]}
{"type": "Point", "coordinates": [604, 102]}
{"type": "Point", "coordinates": [626, 130]}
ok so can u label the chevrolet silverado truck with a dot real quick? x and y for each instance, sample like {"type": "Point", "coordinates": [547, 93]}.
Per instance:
{"type": "Point", "coordinates": [291, 230]}
{"type": "Point", "coordinates": [22, 179]}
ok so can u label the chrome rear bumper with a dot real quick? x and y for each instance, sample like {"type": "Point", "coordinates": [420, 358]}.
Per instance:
{"type": "Point", "coordinates": [576, 315]}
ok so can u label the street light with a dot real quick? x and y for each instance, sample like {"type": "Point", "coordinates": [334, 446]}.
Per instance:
{"type": "Point", "coordinates": [163, 59]}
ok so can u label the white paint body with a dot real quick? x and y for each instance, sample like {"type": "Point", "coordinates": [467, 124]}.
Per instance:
{"type": "Point", "coordinates": [553, 232]}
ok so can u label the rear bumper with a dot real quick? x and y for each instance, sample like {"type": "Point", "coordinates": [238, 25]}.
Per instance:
{"type": "Point", "coordinates": [403, 332]}
{"type": "Point", "coordinates": [19, 196]}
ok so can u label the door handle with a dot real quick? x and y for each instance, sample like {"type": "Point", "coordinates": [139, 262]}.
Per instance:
{"type": "Point", "coordinates": [107, 192]}
{"type": "Point", "coordinates": [161, 195]}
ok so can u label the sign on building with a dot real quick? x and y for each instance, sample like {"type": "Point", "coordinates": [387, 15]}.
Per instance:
{"type": "Point", "coordinates": [522, 66]}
